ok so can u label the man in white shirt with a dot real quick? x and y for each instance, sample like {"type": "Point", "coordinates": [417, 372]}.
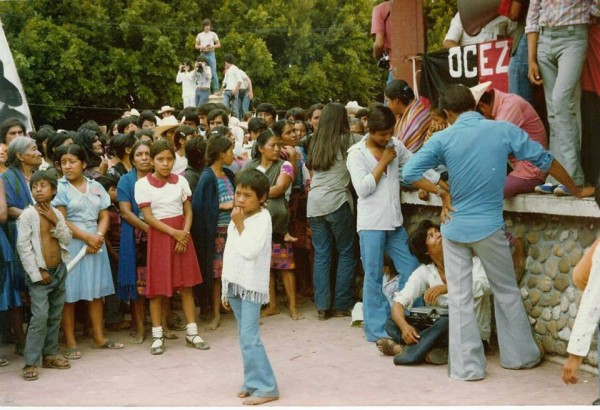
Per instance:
{"type": "Point", "coordinates": [206, 42]}
{"type": "Point", "coordinates": [232, 82]}
{"type": "Point", "coordinates": [410, 345]}
{"type": "Point", "coordinates": [498, 28]}
{"type": "Point", "coordinates": [245, 94]}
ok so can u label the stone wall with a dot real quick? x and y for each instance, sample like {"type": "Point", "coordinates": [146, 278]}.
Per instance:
{"type": "Point", "coordinates": [554, 244]}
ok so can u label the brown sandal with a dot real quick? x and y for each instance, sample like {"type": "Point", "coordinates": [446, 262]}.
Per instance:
{"type": "Point", "coordinates": [55, 362]}
{"type": "Point", "coordinates": [30, 373]}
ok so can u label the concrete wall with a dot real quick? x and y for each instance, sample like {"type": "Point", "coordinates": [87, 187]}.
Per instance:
{"type": "Point", "coordinates": [554, 243]}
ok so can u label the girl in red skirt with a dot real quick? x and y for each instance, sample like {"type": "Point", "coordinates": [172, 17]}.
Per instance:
{"type": "Point", "coordinates": [164, 199]}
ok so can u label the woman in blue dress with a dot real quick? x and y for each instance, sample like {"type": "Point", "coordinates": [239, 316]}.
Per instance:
{"type": "Point", "coordinates": [84, 204]}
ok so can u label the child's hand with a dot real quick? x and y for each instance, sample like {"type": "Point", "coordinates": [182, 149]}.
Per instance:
{"type": "Point", "coordinates": [46, 211]}
{"type": "Point", "coordinates": [180, 247]}
{"type": "Point", "coordinates": [225, 304]}
{"type": "Point", "coordinates": [181, 236]}
{"type": "Point", "coordinates": [104, 164]}
{"type": "Point", "coordinates": [237, 215]}
{"type": "Point", "coordinates": [91, 249]}
{"type": "Point", "coordinates": [46, 278]}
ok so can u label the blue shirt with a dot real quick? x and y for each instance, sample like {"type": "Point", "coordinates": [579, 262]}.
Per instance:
{"type": "Point", "coordinates": [475, 151]}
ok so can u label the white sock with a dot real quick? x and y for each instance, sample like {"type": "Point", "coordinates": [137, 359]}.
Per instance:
{"type": "Point", "coordinates": [192, 329]}
{"type": "Point", "coordinates": [157, 331]}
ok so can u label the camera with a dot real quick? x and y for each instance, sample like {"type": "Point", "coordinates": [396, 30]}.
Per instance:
{"type": "Point", "coordinates": [384, 62]}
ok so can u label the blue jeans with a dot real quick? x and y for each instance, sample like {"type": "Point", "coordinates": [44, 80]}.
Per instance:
{"type": "Point", "coordinates": [518, 80]}
{"type": "Point", "coordinates": [259, 379]}
{"type": "Point", "coordinates": [373, 244]}
{"type": "Point", "coordinates": [202, 97]}
{"type": "Point", "coordinates": [212, 62]}
{"type": "Point", "coordinates": [334, 228]}
{"type": "Point", "coordinates": [561, 53]}
{"type": "Point", "coordinates": [434, 336]}
{"type": "Point", "coordinates": [243, 102]}
{"type": "Point", "coordinates": [232, 102]}
{"type": "Point", "coordinates": [47, 303]}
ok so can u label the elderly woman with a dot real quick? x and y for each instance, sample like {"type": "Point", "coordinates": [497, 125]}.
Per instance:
{"type": "Point", "coordinates": [23, 160]}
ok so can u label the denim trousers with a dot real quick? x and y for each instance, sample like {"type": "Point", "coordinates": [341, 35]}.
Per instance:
{"type": "Point", "coordinates": [46, 311]}
{"type": "Point", "coordinates": [334, 229]}
{"type": "Point", "coordinates": [212, 62]}
{"type": "Point", "coordinates": [373, 244]}
{"type": "Point", "coordinates": [259, 379]}
{"type": "Point", "coordinates": [243, 102]}
{"type": "Point", "coordinates": [434, 336]}
{"type": "Point", "coordinates": [561, 54]}
{"type": "Point", "coordinates": [202, 97]}
{"type": "Point", "coordinates": [515, 338]}
{"type": "Point", "coordinates": [232, 102]}
{"type": "Point", "coordinates": [518, 70]}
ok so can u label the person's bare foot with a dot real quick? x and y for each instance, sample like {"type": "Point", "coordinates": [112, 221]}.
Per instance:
{"type": "Point", "coordinates": [295, 315]}
{"type": "Point", "coordinates": [289, 238]}
{"type": "Point", "coordinates": [269, 312]}
{"type": "Point", "coordinates": [214, 324]}
{"type": "Point", "coordinates": [137, 338]}
{"type": "Point", "coordinates": [255, 401]}
{"type": "Point", "coordinates": [243, 394]}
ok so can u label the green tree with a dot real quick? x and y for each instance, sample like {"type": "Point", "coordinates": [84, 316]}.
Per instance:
{"type": "Point", "coordinates": [438, 13]}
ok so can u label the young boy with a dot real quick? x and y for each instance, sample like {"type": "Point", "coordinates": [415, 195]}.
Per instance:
{"type": "Point", "coordinates": [245, 281]}
{"type": "Point", "coordinates": [42, 244]}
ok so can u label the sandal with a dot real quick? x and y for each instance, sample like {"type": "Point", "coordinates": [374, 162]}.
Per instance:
{"type": "Point", "coordinates": [169, 334]}
{"type": "Point", "coordinates": [72, 353]}
{"type": "Point", "coordinates": [387, 345]}
{"type": "Point", "coordinates": [55, 362]}
{"type": "Point", "coordinates": [109, 344]}
{"type": "Point", "coordinates": [30, 373]}
{"type": "Point", "coordinates": [157, 348]}
{"type": "Point", "coordinates": [196, 342]}
{"type": "Point", "coordinates": [3, 362]}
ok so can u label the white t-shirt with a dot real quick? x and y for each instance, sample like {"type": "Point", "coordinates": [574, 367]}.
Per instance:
{"type": "Point", "coordinates": [232, 76]}
{"type": "Point", "coordinates": [180, 165]}
{"type": "Point", "coordinates": [165, 198]}
{"type": "Point", "coordinates": [490, 32]}
{"type": "Point", "coordinates": [207, 39]}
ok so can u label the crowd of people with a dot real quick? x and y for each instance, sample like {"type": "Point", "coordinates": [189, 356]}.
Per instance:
{"type": "Point", "coordinates": [157, 212]}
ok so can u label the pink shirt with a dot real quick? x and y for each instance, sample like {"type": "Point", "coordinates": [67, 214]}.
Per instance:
{"type": "Point", "coordinates": [381, 25]}
{"type": "Point", "coordinates": [514, 109]}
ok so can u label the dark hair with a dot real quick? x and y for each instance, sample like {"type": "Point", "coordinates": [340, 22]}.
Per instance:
{"type": "Point", "coordinates": [8, 124]}
{"type": "Point", "coordinates": [123, 123]}
{"type": "Point", "coordinates": [120, 143]}
{"type": "Point", "coordinates": [417, 241]}
{"type": "Point", "coordinates": [135, 147]}
{"type": "Point", "coordinates": [456, 98]}
{"type": "Point", "coordinates": [147, 132]}
{"type": "Point", "coordinates": [206, 22]}
{"type": "Point", "coordinates": [363, 112]}
{"type": "Point", "coordinates": [108, 181]}
{"type": "Point", "coordinates": [54, 141]}
{"type": "Point", "coordinates": [381, 119]}
{"type": "Point", "coordinates": [357, 121]}
{"type": "Point", "coordinates": [331, 138]}
{"type": "Point", "coordinates": [257, 124]}
{"type": "Point", "coordinates": [399, 89]}
{"type": "Point", "coordinates": [195, 152]}
{"type": "Point", "coordinates": [268, 108]}
{"type": "Point", "coordinates": [160, 146]}
{"type": "Point", "coordinates": [44, 176]}
{"type": "Point", "coordinates": [59, 152]}
{"type": "Point", "coordinates": [313, 108]}
{"type": "Point", "coordinates": [215, 147]}
{"type": "Point", "coordinates": [216, 113]}
{"type": "Point", "coordinates": [206, 108]}
{"type": "Point", "coordinates": [436, 110]}
{"type": "Point", "coordinates": [146, 115]}
{"type": "Point", "coordinates": [180, 133]}
{"type": "Point", "coordinates": [110, 129]}
{"type": "Point", "coordinates": [255, 180]}
{"type": "Point", "coordinates": [279, 126]}
{"type": "Point", "coordinates": [73, 149]}
{"type": "Point", "coordinates": [190, 114]}
{"type": "Point", "coordinates": [85, 138]}
{"type": "Point", "coordinates": [221, 106]}
{"type": "Point", "coordinates": [229, 59]}
{"type": "Point", "coordinates": [297, 114]}
{"type": "Point", "coordinates": [219, 131]}
{"type": "Point", "coordinates": [487, 97]}
{"type": "Point", "coordinates": [43, 134]}
{"type": "Point", "coordinates": [202, 59]}
{"type": "Point", "coordinates": [262, 139]}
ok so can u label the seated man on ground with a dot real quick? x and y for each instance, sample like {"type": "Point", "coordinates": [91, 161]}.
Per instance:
{"type": "Point", "coordinates": [406, 343]}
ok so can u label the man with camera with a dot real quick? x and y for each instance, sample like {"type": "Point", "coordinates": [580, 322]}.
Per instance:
{"type": "Point", "coordinates": [203, 79]}
{"type": "Point", "coordinates": [423, 335]}
{"type": "Point", "coordinates": [187, 78]}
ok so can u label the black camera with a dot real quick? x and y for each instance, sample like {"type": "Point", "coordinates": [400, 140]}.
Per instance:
{"type": "Point", "coordinates": [384, 62]}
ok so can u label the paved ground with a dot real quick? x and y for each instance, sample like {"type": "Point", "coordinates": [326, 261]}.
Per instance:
{"type": "Point", "coordinates": [316, 363]}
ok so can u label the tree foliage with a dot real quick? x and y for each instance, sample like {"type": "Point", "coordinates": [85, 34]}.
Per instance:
{"type": "Point", "coordinates": [438, 13]}
{"type": "Point", "coordinates": [114, 54]}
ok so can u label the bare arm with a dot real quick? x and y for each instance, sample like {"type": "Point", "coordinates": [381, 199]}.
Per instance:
{"type": "Point", "coordinates": [178, 234]}
{"type": "Point", "coordinates": [515, 10]}
{"type": "Point", "coordinates": [3, 208]}
{"type": "Point", "coordinates": [561, 175]}
{"type": "Point", "coordinates": [283, 182]}
{"type": "Point", "coordinates": [378, 45]}
{"type": "Point", "coordinates": [131, 218]}
{"type": "Point", "coordinates": [409, 333]}
{"type": "Point", "coordinates": [534, 70]}
{"type": "Point", "coordinates": [450, 44]}
{"type": "Point", "coordinates": [91, 240]}
{"type": "Point", "coordinates": [581, 272]}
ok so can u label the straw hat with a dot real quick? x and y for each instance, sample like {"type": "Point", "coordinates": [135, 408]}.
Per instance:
{"type": "Point", "coordinates": [480, 89]}
{"type": "Point", "coordinates": [166, 108]}
{"type": "Point", "coordinates": [166, 124]}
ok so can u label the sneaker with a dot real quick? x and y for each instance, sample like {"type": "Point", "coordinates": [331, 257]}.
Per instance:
{"type": "Point", "coordinates": [545, 188]}
{"type": "Point", "coordinates": [562, 190]}
{"type": "Point", "coordinates": [437, 355]}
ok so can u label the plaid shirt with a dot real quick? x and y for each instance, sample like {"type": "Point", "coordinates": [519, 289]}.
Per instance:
{"type": "Point", "coordinates": [556, 13]}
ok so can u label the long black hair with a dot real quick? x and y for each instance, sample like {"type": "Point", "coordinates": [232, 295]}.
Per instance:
{"type": "Point", "coordinates": [332, 137]}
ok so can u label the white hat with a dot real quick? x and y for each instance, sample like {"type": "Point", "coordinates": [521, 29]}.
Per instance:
{"type": "Point", "coordinates": [479, 90]}
{"type": "Point", "coordinates": [166, 124]}
{"type": "Point", "coordinates": [166, 108]}
{"type": "Point", "coordinates": [135, 112]}
{"type": "Point", "coordinates": [352, 107]}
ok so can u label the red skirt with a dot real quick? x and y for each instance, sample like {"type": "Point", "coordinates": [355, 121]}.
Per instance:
{"type": "Point", "coordinates": [168, 270]}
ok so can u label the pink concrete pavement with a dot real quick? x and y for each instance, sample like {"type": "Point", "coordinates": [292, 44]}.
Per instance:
{"type": "Point", "coordinates": [316, 363]}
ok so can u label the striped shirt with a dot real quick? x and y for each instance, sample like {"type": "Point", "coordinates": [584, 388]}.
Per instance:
{"type": "Point", "coordinates": [412, 128]}
{"type": "Point", "coordinates": [556, 13]}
